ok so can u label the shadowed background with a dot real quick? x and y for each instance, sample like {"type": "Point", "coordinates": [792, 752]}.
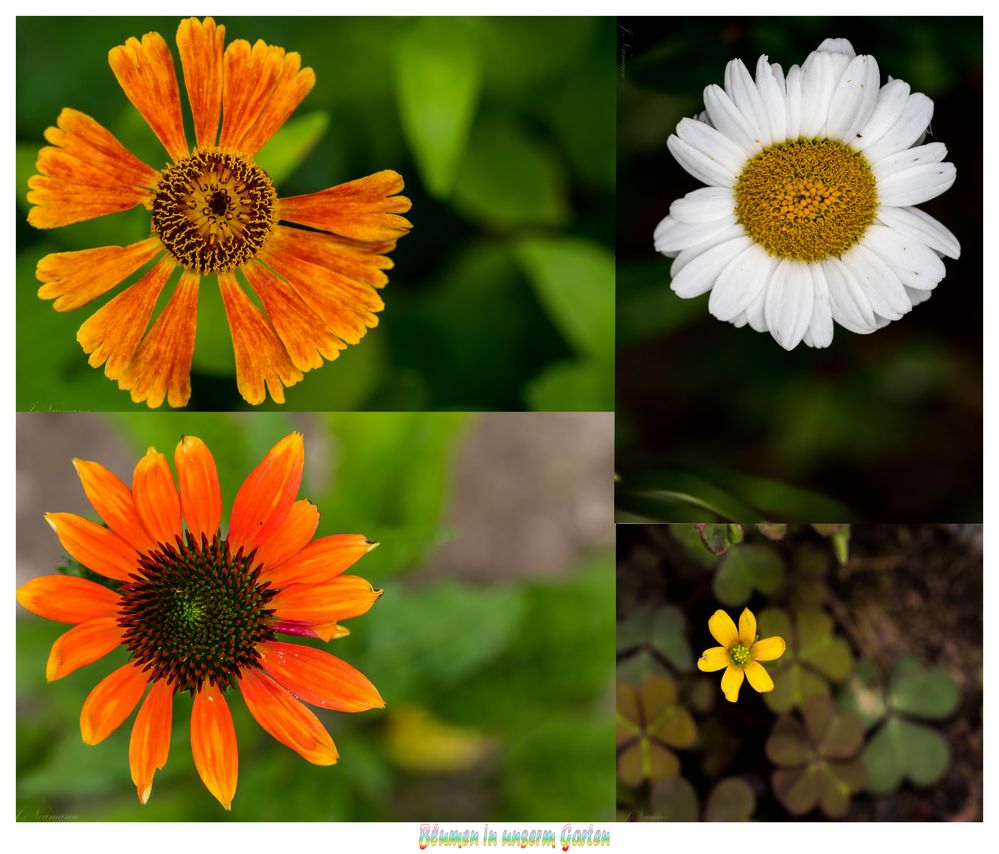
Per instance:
{"type": "Point", "coordinates": [502, 296]}
{"type": "Point", "coordinates": [884, 427]}
{"type": "Point", "coordinates": [492, 644]}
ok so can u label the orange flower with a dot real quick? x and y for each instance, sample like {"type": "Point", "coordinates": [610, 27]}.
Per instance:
{"type": "Point", "coordinates": [214, 212]}
{"type": "Point", "coordinates": [200, 612]}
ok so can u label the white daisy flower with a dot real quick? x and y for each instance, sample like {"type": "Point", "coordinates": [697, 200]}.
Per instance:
{"type": "Point", "coordinates": [808, 214]}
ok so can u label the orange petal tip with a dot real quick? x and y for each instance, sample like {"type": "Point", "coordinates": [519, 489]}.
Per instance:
{"type": "Point", "coordinates": [372, 545]}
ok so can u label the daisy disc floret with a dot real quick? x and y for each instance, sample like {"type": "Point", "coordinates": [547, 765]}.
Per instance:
{"type": "Point", "coordinates": [809, 216]}
{"type": "Point", "coordinates": [315, 262]}
{"type": "Point", "coordinates": [200, 611]}
{"type": "Point", "coordinates": [740, 654]}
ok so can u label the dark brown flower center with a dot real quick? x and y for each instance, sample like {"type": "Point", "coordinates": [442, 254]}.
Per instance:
{"type": "Point", "coordinates": [194, 612]}
{"type": "Point", "coordinates": [214, 210]}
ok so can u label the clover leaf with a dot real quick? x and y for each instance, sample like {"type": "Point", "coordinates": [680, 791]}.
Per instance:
{"type": "Point", "coordinates": [650, 722]}
{"type": "Point", "coordinates": [749, 567]}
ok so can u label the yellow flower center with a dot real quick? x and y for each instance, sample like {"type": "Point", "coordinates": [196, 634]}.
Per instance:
{"type": "Point", "coordinates": [213, 210]}
{"type": "Point", "coordinates": [740, 655]}
{"type": "Point", "coordinates": [806, 199]}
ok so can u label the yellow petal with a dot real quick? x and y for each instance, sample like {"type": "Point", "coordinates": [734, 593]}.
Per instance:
{"type": "Point", "coordinates": [723, 629]}
{"type": "Point", "coordinates": [747, 628]}
{"type": "Point", "coordinates": [767, 649]}
{"type": "Point", "coordinates": [758, 677]}
{"type": "Point", "coordinates": [713, 659]}
{"type": "Point", "coordinates": [732, 682]}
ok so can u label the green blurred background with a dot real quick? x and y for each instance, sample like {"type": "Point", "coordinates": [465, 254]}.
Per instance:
{"type": "Point", "coordinates": [883, 626]}
{"type": "Point", "coordinates": [492, 644]}
{"type": "Point", "coordinates": [885, 427]}
{"type": "Point", "coordinates": [503, 294]}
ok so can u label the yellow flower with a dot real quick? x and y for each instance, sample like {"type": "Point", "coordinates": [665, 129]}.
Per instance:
{"type": "Point", "coordinates": [740, 654]}
{"type": "Point", "coordinates": [315, 262]}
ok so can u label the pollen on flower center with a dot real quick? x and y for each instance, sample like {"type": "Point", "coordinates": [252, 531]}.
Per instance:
{"type": "Point", "coordinates": [214, 210]}
{"type": "Point", "coordinates": [739, 654]}
{"type": "Point", "coordinates": [194, 612]}
{"type": "Point", "coordinates": [806, 199]}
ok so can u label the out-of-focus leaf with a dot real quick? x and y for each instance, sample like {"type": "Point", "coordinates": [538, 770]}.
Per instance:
{"type": "Point", "coordinates": [574, 279]}
{"type": "Point", "coordinates": [438, 75]}
{"type": "Point", "coordinates": [584, 386]}
{"type": "Point", "coordinates": [673, 799]}
{"type": "Point", "coordinates": [928, 693]}
{"type": "Point", "coordinates": [508, 178]}
{"type": "Point", "coordinates": [718, 538]}
{"type": "Point", "coordinates": [423, 744]}
{"type": "Point", "coordinates": [662, 630]}
{"type": "Point", "coordinates": [748, 567]}
{"type": "Point", "coordinates": [773, 530]}
{"type": "Point", "coordinates": [903, 749]}
{"type": "Point", "coordinates": [732, 799]}
{"type": "Point", "coordinates": [284, 152]}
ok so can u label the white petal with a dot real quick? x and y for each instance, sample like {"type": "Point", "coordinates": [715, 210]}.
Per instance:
{"type": "Point", "coordinates": [853, 99]}
{"type": "Point", "coordinates": [789, 302]}
{"type": "Point", "coordinates": [772, 95]}
{"type": "Point", "coordinates": [742, 90]}
{"type": "Point", "coordinates": [742, 280]}
{"type": "Point", "coordinates": [698, 277]}
{"type": "Point", "coordinates": [729, 119]}
{"type": "Point", "coordinates": [916, 185]}
{"type": "Point", "coordinates": [672, 235]}
{"type": "Point", "coordinates": [850, 306]}
{"type": "Point", "coordinates": [703, 205]}
{"type": "Point", "coordinates": [932, 152]}
{"type": "Point", "coordinates": [687, 255]}
{"type": "Point", "coordinates": [818, 79]}
{"type": "Point", "coordinates": [713, 145]}
{"type": "Point", "coordinates": [910, 125]}
{"type": "Point", "coordinates": [916, 265]}
{"type": "Point", "coordinates": [838, 46]}
{"type": "Point", "coordinates": [756, 313]}
{"type": "Point", "coordinates": [891, 101]}
{"type": "Point", "coordinates": [881, 286]}
{"type": "Point", "coordinates": [820, 329]}
{"type": "Point", "coordinates": [918, 297]}
{"type": "Point", "coordinates": [793, 97]}
{"type": "Point", "coordinates": [918, 225]}
{"type": "Point", "coordinates": [702, 167]}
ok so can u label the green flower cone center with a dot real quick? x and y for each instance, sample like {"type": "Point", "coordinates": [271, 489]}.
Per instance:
{"type": "Point", "coordinates": [740, 655]}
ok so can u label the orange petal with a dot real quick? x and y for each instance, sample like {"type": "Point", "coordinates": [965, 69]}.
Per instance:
{"type": "Point", "coordinates": [200, 495]}
{"type": "Point", "coordinates": [90, 142]}
{"type": "Point", "coordinates": [260, 356]}
{"type": "Point", "coordinates": [291, 723]}
{"type": "Point", "coordinates": [320, 560]}
{"type": "Point", "coordinates": [161, 367]}
{"type": "Point", "coordinates": [262, 87]}
{"type": "Point", "coordinates": [339, 598]}
{"type": "Point", "coordinates": [111, 701]}
{"type": "Point", "coordinates": [200, 48]}
{"type": "Point", "coordinates": [113, 332]}
{"type": "Point", "coordinates": [146, 74]}
{"type": "Point", "coordinates": [213, 743]}
{"type": "Point", "coordinates": [365, 209]}
{"type": "Point", "coordinates": [73, 279]}
{"type": "Point", "coordinates": [67, 599]}
{"type": "Point", "coordinates": [330, 631]}
{"type": "Point", "coordinates": [318, 677]}
{"type": "Point", "coordinates": [291, 536]}
{"type": "Point", "coordinates": [96, 547]}
{"type": "Point", "coordinates": [82, 644]}
{"type": "Point", "coordinates": [112, 500]}
{"type": "Point", "coordinates": [300, 329]}
{"type": "Point", "coordinates": [156, 498]}
{"type": "Point", "coordinates": [267, 494]}
{"type": "Point", "coordinates": [150, 741]}
{"type": "Point", "coordinates": [361, 262]}
{"type": "Point", "coordinates": [346, 307]}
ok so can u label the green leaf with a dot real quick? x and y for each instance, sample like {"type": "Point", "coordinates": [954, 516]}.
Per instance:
{"type": "Point", "coordinates": [745, 568]}
{"type": "Point", "coordinates": [584, 386]}
{"type": "Point", "coordinates": [668, 636]}
{"type": "Point", "coordinates": [574, 280]}
{"type": "Point", "coordinates": [928, 693]}
{"type": "Point", "coordinates": [673, 799]}
{"type": "Point", "coordinates": [284, 152]}
{"type": "Point", "coordinates": [717, 538]}
{"type": "Point", "coordinates": [732, 799]}
{"type": "Point", "coordinates": [508, 178]}
{"type": "Point", "coordinates": [788, 743]}
{"type": "Point", "coordinates": [798, 788]}
{"type": "Point", "coordinates": [903, 749]}
{"type": "Point", "coordinates": [438, 76]}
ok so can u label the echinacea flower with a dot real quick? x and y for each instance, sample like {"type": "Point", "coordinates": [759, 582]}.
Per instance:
{"type": "Point", "coordinates": [740, 653]}
{"type": "Point", "coordinates": [808, 215]}
{"type": "Point", "coordinates": [213, 212]}
{"type": "Point", "coordinates": [200, 612]}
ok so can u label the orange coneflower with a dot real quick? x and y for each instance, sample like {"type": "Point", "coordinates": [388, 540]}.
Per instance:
{"type": "Point", "coordinates": [214, 212]}
{"type": "Point", "coordinates": [201, 613]}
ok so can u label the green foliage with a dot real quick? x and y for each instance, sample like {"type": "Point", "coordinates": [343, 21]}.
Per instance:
{"type": "Point", "coordinates": [815, 656]}
{"type": "Point", "coordinates": [732, 799]}
{"type": "Point", "coordinates": [287, 149]}
{"type": "Point", "coordinates": [818, 762]}
{"type": "Point", "coordinates": [749, 567]}
{"type": "Point", "coordinates": [651, 635]}
{"type": "Point", "coordinates": [650, 721]}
